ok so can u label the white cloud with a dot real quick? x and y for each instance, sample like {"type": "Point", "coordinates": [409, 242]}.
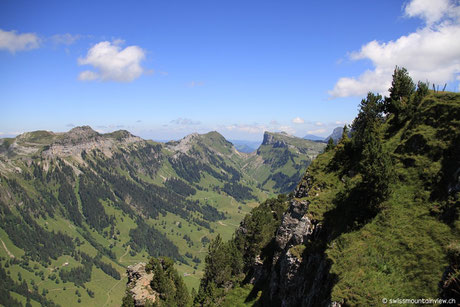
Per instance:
{"type": "Point", "coordinates": [13, 42]}
{"type": "Point", "coordinates": [319, 124]}
{"type": "Point", "coordinates": [298, 120]}
{"type": "Point", "coordinates": [87, 75]}
{"type": "Point", "coordinates": [431, 53]}
{"type": "Point", "coordinates": [184, 122]}
{"type": "Point", "coordinates": [287, 129]}
{"type": "Point", "coordinates": [65, 39]}
{"type": "Point", "coordinates": [252, 129]}
{"type": "Point", "coordinates": [112, 62]}
{"type": "Point", "coordinates": [317, 131]}
{"type": "Point", "coordinates": [429, 10]}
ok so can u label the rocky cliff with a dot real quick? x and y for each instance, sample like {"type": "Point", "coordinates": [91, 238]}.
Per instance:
{"type": "Point", "coordinates": [139, 284]}
{"type": "Point", "coordinates": [292, 278]}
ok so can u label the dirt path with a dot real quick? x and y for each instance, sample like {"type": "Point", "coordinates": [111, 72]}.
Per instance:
{"type": "Point", "coordinates": [223, 224]}
{"type": "Point", "coordinates": [110, 290]}
{"type": "Point", "coordinates": [127, 250]}
{"type": "Point", "coordinates": [6, 249]}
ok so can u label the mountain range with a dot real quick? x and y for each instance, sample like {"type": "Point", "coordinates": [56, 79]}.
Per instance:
{"type": "Point", "coordinates": [77, 207]}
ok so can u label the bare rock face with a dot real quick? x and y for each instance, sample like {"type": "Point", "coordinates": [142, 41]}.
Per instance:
{"type": "Point", "coordinates": [139, 284]}
{"type": "Point", "coordinates": [295, 279]}
{"type": "Point", "coordinates": [80, 139]}
{"type": "Point", "coordinates": [271, 139]}
{"type": "Point", "coordinates": [185, 144]}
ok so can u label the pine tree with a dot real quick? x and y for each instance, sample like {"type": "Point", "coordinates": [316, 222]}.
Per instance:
{"type": "Point", "coordinates": [375, 166]}
{"type": "Point", "coordinates": [402, 87]}
{"type": "Point", "coordinates": [330, 145]}
{"type": "Point", "coordinates": [368, 117]}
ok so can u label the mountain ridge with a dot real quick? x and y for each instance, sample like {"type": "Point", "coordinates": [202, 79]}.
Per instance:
{"type": "Point", "coordinates": [103, 201]}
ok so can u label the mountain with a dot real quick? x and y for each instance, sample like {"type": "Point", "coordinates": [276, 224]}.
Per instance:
{"type": "Point", "coordinates": [77, 208]}
{"type": "Point", "coordinates": [280, 160]}
{"type": "Point", "coordinates": [312, 137]}
{"type": "Point", "coordinates": [374, 218]}
{"type": "Point", "coordinates": [245, 146]}
{"type": "Point", "coordinates": [335, 135]}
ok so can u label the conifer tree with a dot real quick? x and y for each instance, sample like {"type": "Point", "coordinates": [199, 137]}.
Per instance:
{"type": "Point", "coordinates": [330, 144]}
{"type": "Point", "coordinates": [402, 87]}
{"type": "Point", "coordinates": [375, 167]}
{"type": "Point", "coordinates": [368, 117]}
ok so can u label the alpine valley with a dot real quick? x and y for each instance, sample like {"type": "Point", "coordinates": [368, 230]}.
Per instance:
{"type": "Point", "coordinates": [112, 219]}
{"type": "Point", "coordinates": [77, 208]}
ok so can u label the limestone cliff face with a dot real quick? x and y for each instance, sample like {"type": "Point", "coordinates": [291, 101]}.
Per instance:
{"type": "Point", "coordinates": [83, 138]}
{"type": "Point", "coordinates": [272, 139]}
{"type": "Point", "coordinates": [293, 277]}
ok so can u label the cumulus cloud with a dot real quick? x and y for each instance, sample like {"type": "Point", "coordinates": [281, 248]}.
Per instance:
{"type": "Point", "coordinates": [298, 120]}
{"type": "Point", "coordinates": [430, 53]}
{"type": "Point", "coordinates": [12, 41]}
{"type": "Point", "coordinates": [184, 122]}
{"type": "Point", "coordinates": [429, 10]}
{"type": "Point", "coordinates": [112, 63]}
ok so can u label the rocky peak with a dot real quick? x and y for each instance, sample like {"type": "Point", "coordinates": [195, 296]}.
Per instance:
{"type": "Point", "coordinates": [275, 139]}
{"type": "Point", "coordinates": [84, 138]}
{"type": "Point", "coordinates": [120, 135]}
{"type": "Point", "coordinates": [185, 143]}
{"type": "Point", "coordinates": [82, 132]}
{"type": "Point", "coordinates": [336, 135]}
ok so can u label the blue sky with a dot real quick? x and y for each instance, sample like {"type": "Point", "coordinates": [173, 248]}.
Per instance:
{"type": "Point", "coordinates": [164, 69]}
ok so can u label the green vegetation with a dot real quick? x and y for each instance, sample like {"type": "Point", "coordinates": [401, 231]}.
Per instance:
{"type": "Point", "coordinates": [156, 243]}
{"type": "Point", "coordinates": [228, 263]}
{"type": "Point", "coordinates": [167, 283]}
{"type": "Point", "coordinates": [387, 203]}
{"type": "Point", "coordinates": [281, 160]}
{"type": "Point", "coordinates": [78, 214]}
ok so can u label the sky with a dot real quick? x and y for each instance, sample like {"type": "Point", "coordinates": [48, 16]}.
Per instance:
{"type": "Point", "coordinates": [165, 69]}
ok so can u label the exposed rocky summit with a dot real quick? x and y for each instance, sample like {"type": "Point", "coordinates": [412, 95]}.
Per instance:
{"type": "Point", "coordinates": [274, 139]}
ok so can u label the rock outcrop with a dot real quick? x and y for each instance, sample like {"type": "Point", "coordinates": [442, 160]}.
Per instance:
{"type": "Point", "coordinates": [139, 284]}
{"type": "Point", "coordinates": [80, 139]}
{"type": "Point", "coordinates": [293, 277]}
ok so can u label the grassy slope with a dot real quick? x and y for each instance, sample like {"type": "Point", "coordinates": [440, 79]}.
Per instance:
{"type": "Point", "coordinates": [302, 151]}
{"type": "Point", "coordinates": [401, 253]}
